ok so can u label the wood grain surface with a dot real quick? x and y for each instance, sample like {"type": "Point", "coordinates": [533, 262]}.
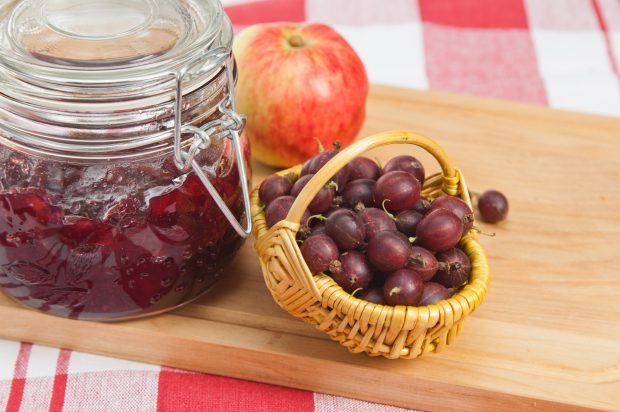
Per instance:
{"type": "Point", "coordinates": [547, 336]}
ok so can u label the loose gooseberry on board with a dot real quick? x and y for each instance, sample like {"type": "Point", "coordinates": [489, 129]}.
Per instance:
{"type": "Point", "coordinates": [493, 206]}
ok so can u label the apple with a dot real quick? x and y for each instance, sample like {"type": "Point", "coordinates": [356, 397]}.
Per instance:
{"type": "Point", "coordinates": [298, 83]}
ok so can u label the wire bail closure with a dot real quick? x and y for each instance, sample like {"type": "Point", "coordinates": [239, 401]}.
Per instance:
{"type": "Point", "coordinates": [230, 125]}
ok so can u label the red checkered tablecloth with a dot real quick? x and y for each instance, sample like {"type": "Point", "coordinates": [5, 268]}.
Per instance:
{"type": "Point", "coordinates": [561, 53]}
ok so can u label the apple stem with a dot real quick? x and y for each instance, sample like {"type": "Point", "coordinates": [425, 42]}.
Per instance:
{"type": "Point", "coordinates": [296, 40]}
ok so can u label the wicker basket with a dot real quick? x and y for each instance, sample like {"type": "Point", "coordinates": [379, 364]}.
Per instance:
{"type": "Point", "coordinates": [378, 330]}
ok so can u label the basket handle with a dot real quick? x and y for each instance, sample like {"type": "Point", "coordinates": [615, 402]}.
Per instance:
{"type": "Point", "coordinates": [450, 176]}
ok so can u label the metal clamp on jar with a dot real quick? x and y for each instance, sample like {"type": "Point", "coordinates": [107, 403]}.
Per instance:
{"type": "Point", "coordinates": [123, 172]}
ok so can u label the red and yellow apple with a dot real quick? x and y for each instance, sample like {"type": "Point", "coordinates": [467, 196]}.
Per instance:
{"type": "Point", "coordinates": [298, 83]}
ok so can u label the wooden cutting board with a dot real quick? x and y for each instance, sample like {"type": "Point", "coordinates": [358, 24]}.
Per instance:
{"type": "Point", "coordinates": [547, 336]}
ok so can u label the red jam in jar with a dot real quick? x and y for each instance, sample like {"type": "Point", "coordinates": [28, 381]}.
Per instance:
{"type": "Point", "coordinates": [123, 174]}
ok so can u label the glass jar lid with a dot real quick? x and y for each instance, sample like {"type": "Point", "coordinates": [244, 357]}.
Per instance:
{"type": "Point", "coordinates": [67, 44]}
{"type": "Point", "coordinates": [103, 80]}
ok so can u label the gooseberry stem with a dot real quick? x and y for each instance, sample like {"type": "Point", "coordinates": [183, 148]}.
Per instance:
{"type": "Point", "coordinates": [318, 217]}
{"type": "Point", "coordinates": [481, 232]}
{"type": "Point", "coordinates": [385, 210]}
{"type": "Point", "coordinates": [318, 142]}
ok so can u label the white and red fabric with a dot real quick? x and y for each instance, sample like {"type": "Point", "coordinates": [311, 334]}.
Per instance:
{"type": "Point", "coordinates": [564, 54]}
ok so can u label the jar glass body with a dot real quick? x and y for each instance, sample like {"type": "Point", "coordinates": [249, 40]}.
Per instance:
{"type": "Point", "coordinates": [98, 219]}
{"type": "Point", "coordinates": [112, 241]}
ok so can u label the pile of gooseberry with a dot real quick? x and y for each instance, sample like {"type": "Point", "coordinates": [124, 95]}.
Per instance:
{"type": "Point", "coordinates": [373, 232]}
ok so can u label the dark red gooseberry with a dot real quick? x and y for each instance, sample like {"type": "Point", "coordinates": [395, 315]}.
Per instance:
{"type": "Point", "coordinates": [423, 262]}
{"type": "Point", "coordinates": [422, 205]}
{"type": "Point", "coordinates": [317, 229]}
{"type": "Point", "coordinates": [346, 228]}
{"type": "Point", "coordinates": [315, 164]}
{"type": "Point", "coordinates": [433, 293]}
{"type": "Point", "coordinates": [317, 161]}
{"type": "Point", "coordinates": [341, 178]}
{"type": "Point", "coordinates": [320, 219]}
{"type": "Point", "coordinates": [332, 210]}
{"type": "Point", "coordinates": [375, 221]}
{"type": "Point", "coordinates": [439, 230]}
{"type": "Point", "coordinates": [493, 206]}
{"type": "Point", "coordinates": [322, 200]}
{"type": "Point", "coordinates": [364, 168]}
{"type": "Point", "coordinates": [373, 294]}
{"type": "Point", "coordinates": [407, 164]}
{"type": "Point", "coordinates": [356, 191]}
{"type": "Point", "coordinates": [321, 254]}
{"type": "Point", "coordinates": [274, 186]}
{"type": "Point", "coordinates": [278, 210]}
{"type": "Point", "coordinates": [356, 272]}
{"type": "Point", "coordinates": [458, 207]}
{"type": "Point", "coordinates": [454, 268]}
{"type": "Point", "coordinates": [388, 250]}
{"type": "Point", "coordinates": [306, 166]}
{"type": "Point", "coordinates": [407, 221]}
{"type": "Point", "coordinates": [403, 287]}
{"type": "Point", "coordinates": [397, 191]}
{"type": "Point", "coordinates": [300, 184]}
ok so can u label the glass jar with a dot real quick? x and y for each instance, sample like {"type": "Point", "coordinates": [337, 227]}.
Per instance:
{"type": "Point", "coordinates": [123, 174]}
